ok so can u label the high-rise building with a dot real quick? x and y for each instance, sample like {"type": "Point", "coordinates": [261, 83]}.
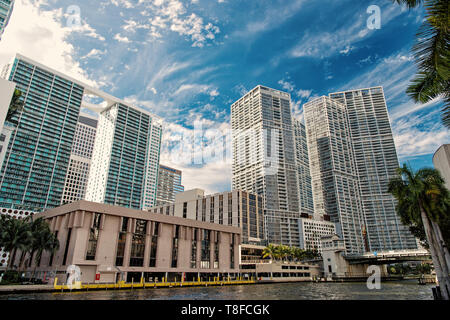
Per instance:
{"type": "Point", "coordinates": [6, 8]}
{"type": "Point", "coordinates": [35, 165]}
{"type": "Point", "coordinates": [264, 159]}
{"type": "Point", "coordinates": [334, 176]}
{"type": "Point", "coordinates": [441, 161]}
{"type": "Point", "coordinates": [125, 160]}
{"type": "Point", "coordinates": [169, 184]}
{"type": "Point", "coordinates": [304, 175]}
{"type": "Point", "coordinates": [312, 231]}
{"type": "Point", "coordinates": [234, 208]}
{"type": "Point", "coordinates": [80, 160]}
{"type": "Point", "coordinates": [376, 163]}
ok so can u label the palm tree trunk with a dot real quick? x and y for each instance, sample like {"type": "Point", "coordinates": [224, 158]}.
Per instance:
{"type": "Point", "coordinates": [431, 240]}
{"type": "Point", "coordinates": [442, 243]}
{"type": "Point", "coordinates": [12, 257]}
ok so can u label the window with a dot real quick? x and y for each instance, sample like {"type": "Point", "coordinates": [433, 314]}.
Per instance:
{"type": "Point", "coordinates": [66, 250]}
{"type": "Point", "coordinates": [138, 244]}
{"type": "Point", "coordinates": [93, 237]}
{"type": "Point", "coordinates": [175, 247]}
{"type": "Point", "coordinates": [206, 253]}
{"type": "Point", "coordinates": [121, 242]}
{"type": "Point", "coordinates": [216, 251]}
{"type": "Point", "coordinates": [194, 250]}
{"type": "Point", "coordinates": [232, 252]}
{"type": "Point", "coordinates": [185, 210]}
{"type": "Point", "coordinates": [50, 262]}
{"type": "Point", "coordinates": [154, 245]}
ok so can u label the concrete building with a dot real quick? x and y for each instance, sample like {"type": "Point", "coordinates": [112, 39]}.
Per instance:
{"type": "Point", "coordinates": [306, 203]}
{"type": "Point", "coordinates": [264, 159]}
{"type": "Point", "coordinates": [125, 160]}
{"type": "Point", "coordinates": [312, 231]}
{"type": "Point", "coordinates": [441, 161]}
{"type": "Point", "coordinates": [80, 160]}
{"type": "Point", "coordinates": [169, 184]}
{"type": "Point", "coordinates": [235, 208]}
{"type": "Point", "coordinates": [111, 243]}
{"type": "Point", "coordinates": [333, 172]}
{"type": "Point", "coordinates": [6, 8]}
{"type": "Point", "coordinates": [376, 163]}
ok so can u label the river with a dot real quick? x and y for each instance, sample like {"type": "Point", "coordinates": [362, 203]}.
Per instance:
{"type": "Point", "coordinates": [402, 290]}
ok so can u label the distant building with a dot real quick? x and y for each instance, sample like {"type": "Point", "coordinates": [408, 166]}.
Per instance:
{"type": "Point", "coordinates": [6, 8]}
{"type": "Point", "coordinates": [110, 243]}
{"type": "Point", "coordinates": [169, 184]}
{"type": "Point", "coordinates": [80, 160]}
{"type": "Point", "coordinates": [234, 208]}
{"type": "Point", "coordinates": [125, 160]}
{"type": "Point", "coordinates": [311, 232]}
{"type": "Point", "coordinates": [264, 161]}
{"type": "Point", "coordinates": [376, 163]}
{"type": "Point", "coordinates": [441, 161]}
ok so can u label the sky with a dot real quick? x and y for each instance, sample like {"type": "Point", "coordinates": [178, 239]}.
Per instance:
{"type": "Point", "coordinates": [188, 61]}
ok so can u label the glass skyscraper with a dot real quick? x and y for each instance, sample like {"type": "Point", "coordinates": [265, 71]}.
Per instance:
{"type": "Point", "coordinates": [35, 165]}
{"type": "Point", "coordinates": [169, 184]}
{"type": "Point", "coordinates": [125, 160]}
{"type": "Point", "coordinates": [6, 8]}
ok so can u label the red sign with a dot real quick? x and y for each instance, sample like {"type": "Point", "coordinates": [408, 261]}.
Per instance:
{"type": "Point", "coordinates": [97, 276]}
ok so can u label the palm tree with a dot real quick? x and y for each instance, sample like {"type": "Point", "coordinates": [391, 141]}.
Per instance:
{"type": "Point", "coordinates": [15, 106]}
{"type": "Point", "coordinates": [269, 251]}
{"type": "Point", "coordinates": [15, 235]}
{"type": "Point", "coordinates": [432, 54]}
{"type": "Point", "coordinates": [44, 240]}
{"type": "Point", "coordinates": [423, 201]}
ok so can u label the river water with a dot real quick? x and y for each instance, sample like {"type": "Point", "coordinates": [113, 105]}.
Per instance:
{"type": "Point", "coordinates": [402, 290]}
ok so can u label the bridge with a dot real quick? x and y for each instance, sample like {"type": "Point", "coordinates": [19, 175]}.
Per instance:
{"type": "Point", "coordinates": [391, 256]}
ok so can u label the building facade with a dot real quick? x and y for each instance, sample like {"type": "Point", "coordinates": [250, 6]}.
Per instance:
{"type": "Point", "coordinates": [125, 159]}
{"type": "Point", "coordinates": [376, 163]}
{"type": "Point", "coordinates": [6, 8]}
{"type": "Point", "coordinates": [110, 244]}
{"type": "Point", "coordinates": [334, 176]}
{"type": "Point", "coordinates": [441, 161]}
{"type": "Point", "coordinates": [312, 231]}
{"type": "Point", "coordinates": [306, 203]}
{"type": "Point", "coordinates": [235, 208]}
{"type": "Point", "coordinates": [35, 165]}
{"type": "Point", "coordinates": [169, 184]}
{"type": "Point", "coordinates": [264, 158]}
{"type": "Point", "coordinates": [80, 160]}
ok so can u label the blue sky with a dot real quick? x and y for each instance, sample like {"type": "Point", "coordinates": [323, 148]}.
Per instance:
{"type": "Point", "coordinates": [189, 60]}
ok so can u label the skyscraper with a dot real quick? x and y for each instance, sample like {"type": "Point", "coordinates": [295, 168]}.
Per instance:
{"type": "Point", "coordinates": [80, 160]}
{"type": "Point", "coordinates": [441, 161]}
{"type": "Point", "coordinates": [376, 163]}
{"type": "Point", "coordinates": [125, 160]}
{"type": "Point", "coordinates": [6, 8]}
{"type": "Point", "coordinates": [334, 176]}
{"type": "Point", "coordinates": [35, 165]}
{"type": "Point", "coordinates": [169, 184]}
{"type": "Point", "coordinates": [304, 174]}
{"type": "Point", "coordinates": [264, 159]}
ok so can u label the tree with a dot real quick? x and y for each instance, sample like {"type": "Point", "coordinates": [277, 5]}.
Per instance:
{"type": "Point", "coordinates": [15, 235]}
{"type": "Point", "coordinates": [424, 201]}
{"type": "Point", "coordinates": [16, 106]}
{"type": "Point", "coordinates": [432, 55]}
{"type": "Point", "coordinates": [269, 251]}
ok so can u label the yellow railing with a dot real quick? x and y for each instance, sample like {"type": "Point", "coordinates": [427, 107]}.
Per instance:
{"type": "Point", "coordinates": [142, 284]}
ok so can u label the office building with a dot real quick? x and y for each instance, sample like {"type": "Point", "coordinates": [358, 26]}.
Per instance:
{"type": "Point", "coordinates": [234, 208]}
{"type": "Point", "coordinates": [441, 161]}
{"type": "Point", "coordinates": [6, 8]}
{"type": "Point", "coordinates": [264, 159]}
{"type": "Point", "coordinates": [376, 163]}
{"type": "Point", "coordinates": [110, 243]}
{"type": "Point", "coordinates": [169, 184]}
{"type": "Point", "coordinates": [334, 176]}
{"type": "Point", "coordinates": [80, 160]}
{"type": "Point", "coordinates": [304, 175]}
{"type": "Point", "coordinates": [125, 159]}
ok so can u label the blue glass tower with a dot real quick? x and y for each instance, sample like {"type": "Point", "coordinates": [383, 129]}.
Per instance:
{"type": "Point", "coordinates": [6, 8]}
{"type": "Point", "coordinates": [33, 172]}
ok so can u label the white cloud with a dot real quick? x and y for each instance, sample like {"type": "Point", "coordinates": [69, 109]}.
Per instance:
{"type": "Point", "coordinates": [39, 35]}
{"type": "Point", "coordinates": [119, 38]}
